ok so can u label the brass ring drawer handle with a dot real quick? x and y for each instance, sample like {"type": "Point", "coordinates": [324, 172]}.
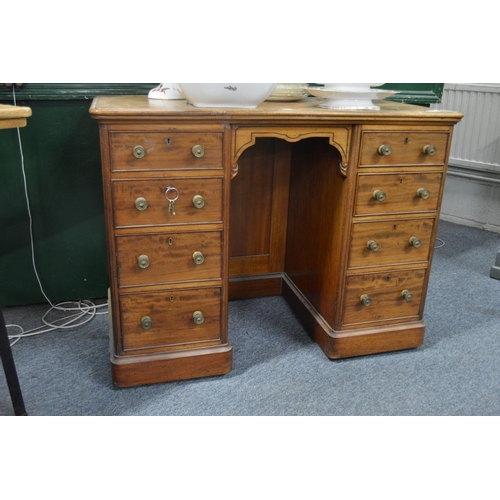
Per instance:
{"type": "Point", "coordinates": [407, 295]}
{"type": "Point", "coordinates": [423, 193]}
{"type": "Point", "coordinates": [384, 150]}
{"type": "Point", "coordinates": [146, 323]}
{"type": "Point", "coordinates": [139, 152]}
{"type": "Point", "coordinates": [365, 300]}
{"type": "Point", "coordinates": [429, 150]}
{"type": "Point", "coordinates": [143, 261]}
{"type": "Point", "coordinates": [379, 195]}
{"type": "Point", "coordinates": [198, 151]}
{"type": "Point", "coordinates": [198, 258]}
{"type": "Point", "coordinates": [198, 317]}
{"type": "Point", "coordinates": [415, 242]}
{"type": "Point", "coordinates": [372, 245]}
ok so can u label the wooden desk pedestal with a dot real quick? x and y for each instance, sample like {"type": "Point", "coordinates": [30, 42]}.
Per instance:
{"type": "Point", "coordinates": [335, 210]}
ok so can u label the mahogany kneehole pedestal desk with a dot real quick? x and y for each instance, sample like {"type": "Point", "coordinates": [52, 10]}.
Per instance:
{"type": "Point", "coordinates": [335, 210]}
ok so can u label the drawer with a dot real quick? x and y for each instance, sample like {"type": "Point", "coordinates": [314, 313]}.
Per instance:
{"type": "Point", "coordinates": [388, 242]}
{"type": "Point", "coordinates": [168, 318]}
{"type": "Point", "coordinates": [144, 202]}
{"type": "Point", "coordinates": [406, 148]}
{"type": "Point", "coordinates": [168, 258]}
{"type": "Point", "coordinates": [385, 299]}
{"type": "Point", "coordinates": [165, 150]}
{"type": "Point", "coordinates": [397, 193]}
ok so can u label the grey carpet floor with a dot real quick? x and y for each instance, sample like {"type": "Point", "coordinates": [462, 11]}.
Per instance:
{"type": "Point", "coordinates": [279, 370]}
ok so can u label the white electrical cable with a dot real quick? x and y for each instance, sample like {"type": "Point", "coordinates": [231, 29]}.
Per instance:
{"type": "Point", "coordinates": [38, 330]}
{"type": "Point", "coordinates": [86, 308]}
{"type": "Point", "coordinates": [441, 245]}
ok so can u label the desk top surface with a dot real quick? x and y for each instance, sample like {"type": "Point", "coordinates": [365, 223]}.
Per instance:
{"type": "Point", "coordinates": [13, 116]}
{"type": "Point", "coordinates": [136, 107]}
{"type": "Point", "coordinates": [7, 112]}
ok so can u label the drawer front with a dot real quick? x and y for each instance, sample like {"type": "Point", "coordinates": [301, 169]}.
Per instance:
{"type": "Point", "coordinates": [397, 193]}
{"type": "Point", "coordinates": [165, 150]}
{"type": "Point", "coordinates": [144, 202]}
{"type": "Point", "coordinates": [168, 258]}
{"type": "Point", "coordinates": [390, 242]}
{"type": "Point", "coordinates": [156, 320]}
{"type": "Point", "coordinates": [407, 148]}
{"type": "Point", "coordinates": [384, 291]}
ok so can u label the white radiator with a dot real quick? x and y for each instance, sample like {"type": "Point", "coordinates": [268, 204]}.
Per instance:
{"type": "Point", "coordinates": [476, 139]}
{"type": "Point", "coordinates": [472, 191]}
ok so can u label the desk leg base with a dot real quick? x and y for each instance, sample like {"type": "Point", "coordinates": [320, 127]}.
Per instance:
{"type": "Point", "coordinates": [129, 371]}
{"type": "Point", "coordinates": [353, 342]}
{"type": "Point", "coordinates": [339, 345]}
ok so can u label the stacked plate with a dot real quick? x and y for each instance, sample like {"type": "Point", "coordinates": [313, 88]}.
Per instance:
{"type": "Point", "coordinates": [350, 95]}
{"type": "Point", "coordinates": [350, 87]}
{"type": "Point", "coordinates": [289, 92]}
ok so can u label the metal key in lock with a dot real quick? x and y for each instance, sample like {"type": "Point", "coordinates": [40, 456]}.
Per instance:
{"type": "Point", "coordinates": [171, 207]}
{"type": "Point", "coordinates": [171, 194]}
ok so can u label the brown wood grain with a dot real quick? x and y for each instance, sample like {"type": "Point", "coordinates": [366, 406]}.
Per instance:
{"type": "Point", "coordinates": [385, 291]}
{"type": "Point", "coordinates": [392, 236]}
{"type": "Point", "coordinates": [171, 314]}
{"type": "Point", "coordinates": [259, 209]}
{"type": "Point", "coordinates": [165, 150]}
{"type": "Point", "coordinates": [401, 192]}
{"type": "Point", "coordinates": [126, 192]}
{"type": "Point", "coordinates": [170, 257]}
{"type": "Point", "coordinates": [406, 146]}
{"type": "Point", "coordinates": [318, 204]}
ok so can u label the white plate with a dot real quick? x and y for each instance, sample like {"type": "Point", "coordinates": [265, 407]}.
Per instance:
{"type": "Point", "coordinates": [349, 100]}
{"type": "Point", "coordinates": [286, 98]}
{"type": "Point", "coordinates": [349, 87]}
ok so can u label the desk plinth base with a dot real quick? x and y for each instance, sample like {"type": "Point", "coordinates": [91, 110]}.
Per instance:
{"type": "Point", "coordinates": [129, 371]}
{"type": "Point", "coordinates": [356, 342]}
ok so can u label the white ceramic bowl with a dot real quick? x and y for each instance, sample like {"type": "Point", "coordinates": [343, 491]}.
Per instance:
{"type": "Point", "coordinates": [226, 95]}
{"type": "Point", "coordinates": [165, 91]}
